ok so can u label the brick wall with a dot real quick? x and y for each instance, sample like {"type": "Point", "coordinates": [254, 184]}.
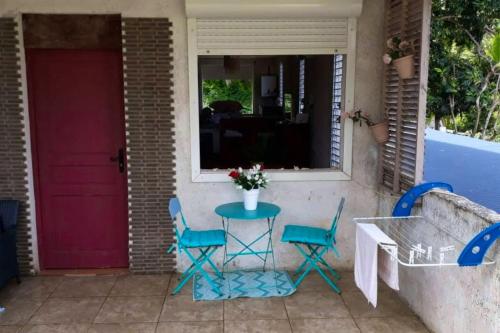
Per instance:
{"type": "Point", "coordinates": [13, 176]}
{"type": "Point", "coordinates": [147, 55]}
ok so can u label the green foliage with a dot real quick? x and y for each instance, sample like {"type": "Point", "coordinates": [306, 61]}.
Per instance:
{"type": "Point", "coordinates": [253, 179]}
{"type": "Point", "coordinates": [397, 48]}
{"type": "Point", "coordinates": [224, 90]}
{"type": "Point", "coordinates": [493, 49]}
{"type": "Point", "coordinates": [457, 69]}
{"type": "Point", "coordinates": [450, 78]}
{"type": "Point", "coordinates": [452, 18]}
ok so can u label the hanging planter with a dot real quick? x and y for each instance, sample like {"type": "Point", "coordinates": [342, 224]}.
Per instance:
{"type": "Point", "coordinates": [400, 53]}
{"type": "Point", "coordinates": [405, 66]}
{"type": "Point", "coordinates": [379, 130]}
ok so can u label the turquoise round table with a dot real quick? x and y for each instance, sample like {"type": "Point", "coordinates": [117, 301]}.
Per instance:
{"type": "Point", "coordinates": [236, 211]}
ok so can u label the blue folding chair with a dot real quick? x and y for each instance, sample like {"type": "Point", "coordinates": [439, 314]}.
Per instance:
{"type": "Point", "coordinates": [317, 241]}
{"type": "Point", "coordinates": [205, 241]}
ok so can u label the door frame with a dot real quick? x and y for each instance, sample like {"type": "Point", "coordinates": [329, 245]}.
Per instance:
{"type": "Point", "coordinates": [29, 115]}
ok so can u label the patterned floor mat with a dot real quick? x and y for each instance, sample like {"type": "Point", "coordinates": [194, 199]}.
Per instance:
{"type": "Point", "coordinates": [244, 284]}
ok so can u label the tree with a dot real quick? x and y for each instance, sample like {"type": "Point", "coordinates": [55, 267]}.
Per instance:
{"type": "Point", "coordinates": [463, 73]}
{"type": "Point", "coordinates": [450, 79]}
{"type": "Point", "coordinates": [491, 52]}
{"type": "Point", "coordinates": [224, 90]}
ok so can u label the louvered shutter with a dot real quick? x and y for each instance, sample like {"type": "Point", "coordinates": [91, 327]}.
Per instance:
{"type": "Point", "coordinates": [405, 100]}
{"type": "Point", "coordinates": [270, 36]}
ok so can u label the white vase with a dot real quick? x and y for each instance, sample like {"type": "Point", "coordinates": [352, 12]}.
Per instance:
{"type": "Point", "coordinates": [250, 199]}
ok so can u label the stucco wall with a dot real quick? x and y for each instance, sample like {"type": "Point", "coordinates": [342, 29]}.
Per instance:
{"type": "Point", "coordinates": [468, 297]}
{"type": "Point", "coordinates": [311, 203]}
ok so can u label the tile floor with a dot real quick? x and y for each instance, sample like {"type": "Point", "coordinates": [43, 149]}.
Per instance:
{"type": "Point", "coordinates": [140, 303]}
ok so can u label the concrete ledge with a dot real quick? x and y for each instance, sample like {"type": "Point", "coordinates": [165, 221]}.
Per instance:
{"type": "Point", "coordinates": [465, 205]}
{"type": "Point", "coordinates": [455, 299]}
{"type": "Point", "coordinates": [452, 299]}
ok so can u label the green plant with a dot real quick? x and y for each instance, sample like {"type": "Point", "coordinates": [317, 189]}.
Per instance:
{"type": "Point", "coordinates": [356, 116]}
{"type": "Point", "coordinates": [224, 90]}
{"type": "Point", "coordinates": [397, 48]}
{"type": "Point", "coordinates": [251, 180]}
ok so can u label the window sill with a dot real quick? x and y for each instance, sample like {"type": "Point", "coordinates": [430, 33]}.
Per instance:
{"type": "Point", "coordinates": [221, 176]}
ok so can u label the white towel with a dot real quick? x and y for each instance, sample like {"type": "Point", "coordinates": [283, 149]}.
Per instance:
{"type": "Point", "coordinates": [366, 265]}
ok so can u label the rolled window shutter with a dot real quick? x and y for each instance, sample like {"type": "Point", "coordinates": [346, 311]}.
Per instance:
{"type": "Point", "coordinates": [404, 99]}
{"type": "Point", "coordinates": [234, 36]}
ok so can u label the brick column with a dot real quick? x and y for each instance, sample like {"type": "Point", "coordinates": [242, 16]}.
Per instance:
{"type": "Point", "coordinates": [13, 163]}
{"type": "Point", "coordinates": [149, 119]}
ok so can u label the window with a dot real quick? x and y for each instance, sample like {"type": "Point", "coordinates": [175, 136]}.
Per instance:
{"type": "Point", "coordinates": [289, 67]}
{"type": "Point", "coordinates": [246, 114]}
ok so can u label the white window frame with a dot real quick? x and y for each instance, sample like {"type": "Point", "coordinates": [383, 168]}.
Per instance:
{"type": "Point", "coordinates": [199, 175]}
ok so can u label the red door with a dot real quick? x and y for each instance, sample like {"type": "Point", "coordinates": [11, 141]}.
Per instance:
{"type": "Point", "coordinates": [77, 122]}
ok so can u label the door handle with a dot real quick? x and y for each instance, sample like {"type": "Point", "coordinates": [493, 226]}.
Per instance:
{"type": "Point", "coordinates": [120, 158]}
